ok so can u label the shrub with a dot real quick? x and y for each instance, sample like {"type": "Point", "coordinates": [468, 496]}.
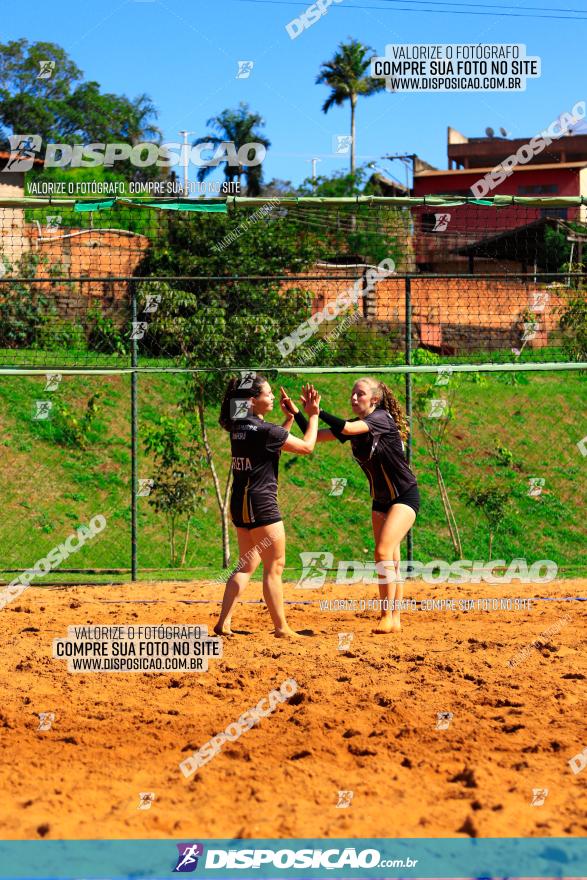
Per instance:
{"type": "Point", "coordinates": [492, 501]}
{"type": "Point", "coordinates": [503, 455]}
{"type": "Point", "coordinates": [573, 323]}
{"type": "Point", "coordinates": [21, 303]}
{"type": "Point", "coordinates": [54, 333]}
{"type": "Point", "coordinates": [70, 429]}
{"type": "Point", "coordinates": [364, 345]}
{"type": "Point", "coordinates": [103, 334]}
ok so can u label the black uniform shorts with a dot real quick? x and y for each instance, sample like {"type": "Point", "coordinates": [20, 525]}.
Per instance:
{"type": "Point", "coordinates": [249, 510]}
{"type": "Point", "coordinates": [411, 497]}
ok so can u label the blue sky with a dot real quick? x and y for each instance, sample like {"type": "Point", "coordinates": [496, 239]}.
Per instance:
{"type": "Point", "coordinates": [184, 54]}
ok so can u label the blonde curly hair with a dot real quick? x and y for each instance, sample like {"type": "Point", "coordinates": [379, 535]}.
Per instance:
{"type": "Point", "coordinates": [385, 399]}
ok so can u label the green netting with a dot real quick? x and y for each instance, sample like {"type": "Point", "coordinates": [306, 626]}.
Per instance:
{"type": "Point", "coordinates": [282, 284]}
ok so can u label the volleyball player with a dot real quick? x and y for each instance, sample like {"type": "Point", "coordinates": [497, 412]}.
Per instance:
{"type": "Point", "coordinates": [377, 435]}
{"type": "Point", "coordinates": [256, 446]}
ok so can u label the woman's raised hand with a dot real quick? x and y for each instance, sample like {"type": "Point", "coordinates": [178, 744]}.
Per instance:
{"type": "Point", "coordinates": [311, 400]}
{"type": "Point", "coordinates": [305, 392]}
{"type": "Point", "coordinates": [286, 403]}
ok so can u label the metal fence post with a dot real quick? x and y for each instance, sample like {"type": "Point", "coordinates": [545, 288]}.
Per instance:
{"type": "Point", "coordinates": [408, 340]}
{"type": "Point", "coordinates": [134, 438]}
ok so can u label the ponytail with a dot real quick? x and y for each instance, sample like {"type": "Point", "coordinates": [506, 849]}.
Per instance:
{"type": "Point", "coordinates": [237, 389]}
{"type": "Point", "coordinates": [389, 402]}
{"type": "Point", "coordinates": [385, 399]}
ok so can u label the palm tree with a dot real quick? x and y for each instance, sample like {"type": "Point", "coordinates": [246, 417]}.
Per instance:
{"type": "Point", "coordinates": [138, 119]}
{"type": "Point", "coordinates": [238, 127]}
{"type": "Point", "coordinates": [141, 124]}
{"type": "Point", "coordinates": [345, 74]}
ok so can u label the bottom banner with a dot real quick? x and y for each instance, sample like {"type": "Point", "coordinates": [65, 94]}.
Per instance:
{"type": "Point", "coordinates": [371, 858]}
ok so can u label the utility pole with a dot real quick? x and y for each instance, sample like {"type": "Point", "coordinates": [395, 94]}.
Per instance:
{"type": "Point", "coordinates": [313, 161]}
{"type": "Point", "coordinates": [185, 161]}
{"type": "Point", "coordinates": [405, 158]}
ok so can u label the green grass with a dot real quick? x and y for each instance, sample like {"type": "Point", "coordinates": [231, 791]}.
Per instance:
{"type": "Point", "coordinates": [48, 489]}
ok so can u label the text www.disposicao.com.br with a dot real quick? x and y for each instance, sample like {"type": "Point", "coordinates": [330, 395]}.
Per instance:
{"type": "Point", "coordinates": [135, 664]}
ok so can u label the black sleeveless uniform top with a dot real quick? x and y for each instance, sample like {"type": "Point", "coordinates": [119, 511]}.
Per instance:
{"type": "Point", "coordinates": [255, 448]}
{"type": "Point", "coordinates": [380, 453]}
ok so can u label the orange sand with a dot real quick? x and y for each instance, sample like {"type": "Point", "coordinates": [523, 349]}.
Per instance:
{"type": "Point", "coordinates": [364, 721]}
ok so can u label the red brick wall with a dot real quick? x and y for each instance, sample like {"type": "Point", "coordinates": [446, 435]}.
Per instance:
{"type": "Point", "coordinates": [461, 309]}
{"type": "Point", "coordinates": [461, 313]}
{"type": "Point", "coordinates": [92, 253]}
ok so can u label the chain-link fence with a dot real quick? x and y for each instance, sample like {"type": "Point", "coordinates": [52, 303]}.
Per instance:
{"type": "Point", "coordinates": [119, 328]}
{"type": "Point", "coordinates": [67, 456]}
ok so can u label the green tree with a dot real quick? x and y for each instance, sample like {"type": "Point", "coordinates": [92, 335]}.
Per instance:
{"type": "Point", "coordinates": [492, 501]}
{"type": "Point", "coordinates": [141, 121]}
{"type": "Point", "coordinates": [434, 412]}
{"type": "Point", "coordinates": [337, 185]}
{"type": "Point", "coordinates": [221, 326]}
{"type": "Point", "coordinates": [573, 323]}
{"type": "Point", "coordinates": [20, 67]}
{"type": "Point", "coordinates": [63, 107]}
{"type": "Point", "coordinates": [180, 467]}
{"type": "Point", "coordinates": [277, 188]}
{"type": "Point", "coordinates": [24, 304]}
{"type": "Point", "coordinates": [365, 232]}
{"type": "Point", "coordinates": [238, 127]}
{"type": "Point", "coordinates": [345, 75]}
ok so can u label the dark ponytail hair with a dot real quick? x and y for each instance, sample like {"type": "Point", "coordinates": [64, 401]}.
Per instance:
{"type": "Point", "coordinates": [386, 400]}
{"type": "Point", "coordinates": [236, 391]}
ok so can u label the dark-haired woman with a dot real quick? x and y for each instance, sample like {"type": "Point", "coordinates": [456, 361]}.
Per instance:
{"type": "Point", "coordinates": [256, 446]}
{"type": "Point", "coordinates": [377, 435]}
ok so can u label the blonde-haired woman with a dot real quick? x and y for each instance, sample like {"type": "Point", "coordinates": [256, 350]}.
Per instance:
{"type": "Point", "coordinates": [377, 434]}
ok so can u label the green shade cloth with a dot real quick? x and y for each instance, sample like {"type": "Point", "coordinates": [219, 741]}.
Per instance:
{"type": "Point", "coordinates": [178, 205]}
{"type": "Point", "coordinates": [100, 205]}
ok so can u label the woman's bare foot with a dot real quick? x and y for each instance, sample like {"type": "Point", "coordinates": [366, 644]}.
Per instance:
{"type": "Point", "coordinates": [287, 633]}
{"type": "Point", "coordinates": [223, 630]}
{"type": "Point", "coordinates": [387, 624]}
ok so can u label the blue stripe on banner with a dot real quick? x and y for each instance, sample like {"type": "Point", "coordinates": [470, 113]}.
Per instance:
{"type": "Point", "coordinates": [368, 858]}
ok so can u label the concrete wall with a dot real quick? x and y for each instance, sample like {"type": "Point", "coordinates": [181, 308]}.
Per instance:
{"type": "Point", "coordinates": [566, 179]}
{"type": "Point", "coordinates": [582, 217]}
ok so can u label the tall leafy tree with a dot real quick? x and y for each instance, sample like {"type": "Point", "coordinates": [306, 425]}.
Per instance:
{"type": "Point", "coordinates": [366, 233]}
{"type": "Point", "coordinates": [239, 127]}
{"type": "Point", "coordinates": [43, 91]}
{"type": "Point", "coordinates": [20, 69]}
{"type": "Point", "coordinates": [223, 326]}
{"type": "Point", "coordinates": [141, 121]}
{"type": "Point", "coordinates": [345, 75]}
